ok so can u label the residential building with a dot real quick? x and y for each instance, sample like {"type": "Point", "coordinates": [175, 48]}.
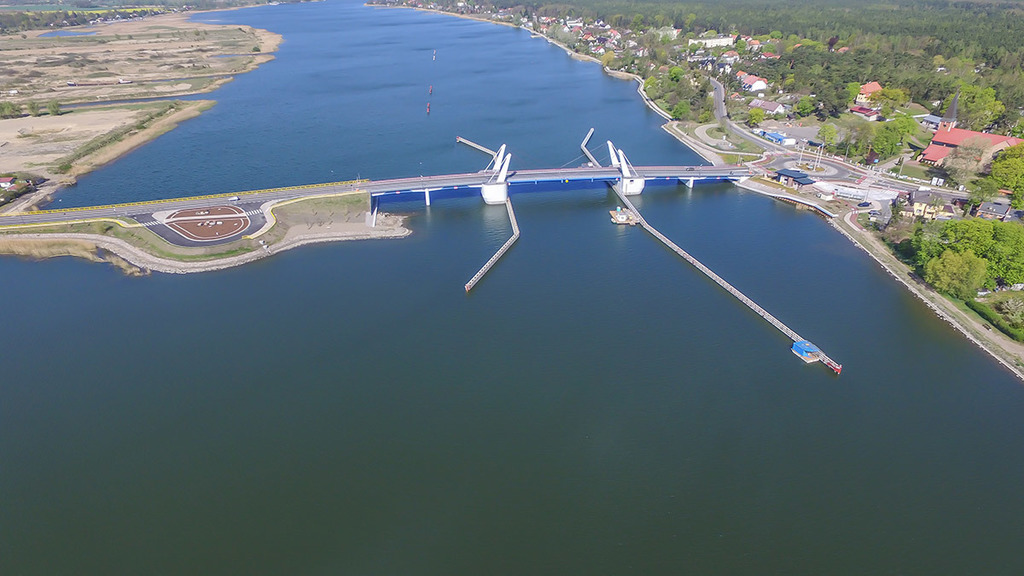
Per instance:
{"type": "Point", "coordinates": [994, 210]}
{"type": "Point", "coordinates": [6, 183]}
{"type": "Point", "coordinates": [930, 121]}
{"type": "Point", "coordinates": [929, 205]}
{"type": "Point", "coordinates": [750, 82]}
{"type": "Point", "coordinates": [863, 97]}
{"type": "Point", "coordinates": [865, 113]}
{"type": "Point", "coordinates": [714, 41]}
{"type": "Point", "coordinates": [768, 107]}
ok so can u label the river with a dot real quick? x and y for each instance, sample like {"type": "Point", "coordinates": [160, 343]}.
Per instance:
{"type": "Point", "coordinates": [594, 406]}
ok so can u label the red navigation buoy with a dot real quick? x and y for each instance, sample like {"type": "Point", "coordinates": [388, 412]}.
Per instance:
{"type": "Point", "coordinates": [428, 107]}
{"type": "Point", "coordinates": [431, 89]}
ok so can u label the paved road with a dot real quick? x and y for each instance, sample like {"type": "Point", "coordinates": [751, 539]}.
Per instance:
{"type": "Point", "coordinates": [143, 211]}
{"type": "Point", "coordinates": [784, 157]}
{"type": "Point", "coordinates": [722, 116]}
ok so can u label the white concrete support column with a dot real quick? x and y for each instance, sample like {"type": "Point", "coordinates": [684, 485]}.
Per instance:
{"type": "Point", "coordinates": [630, 186]}
{"type": "Point", "coordinates": [426, 197]}
{"type": "Point", "coordinates": [494, 192]}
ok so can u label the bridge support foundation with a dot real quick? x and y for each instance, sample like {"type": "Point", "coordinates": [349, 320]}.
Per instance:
{"type": "Point", "coordinates": [494, 192]}
{"type": "Point", "coordinates": [629, 186]}
{"type": "Point", "coordinates": [426, 197]}
{"type": "Point", "coordinates": [689, 183]}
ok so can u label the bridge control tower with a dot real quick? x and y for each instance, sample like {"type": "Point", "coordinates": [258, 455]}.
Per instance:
{"type": "Point", "coordinates": [631, 183]}
{"type": "Point", "coordinates": [495, 190]}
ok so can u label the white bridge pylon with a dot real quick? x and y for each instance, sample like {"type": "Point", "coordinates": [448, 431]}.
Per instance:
{"type": "Point", "coordinates": [495, 190]}
{"type": "Point", "coordinates": [630, 183]}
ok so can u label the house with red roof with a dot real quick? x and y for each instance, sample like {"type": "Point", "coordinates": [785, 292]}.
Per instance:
{"type": "Point", "coordinates": [948, 137]}
{"type": "Point", "coordinates": [864, 96]}
{"type": "Point", "coordinates": [866, 113]}
{"type": "Point", "coordinates": [6, 183]}
{"type": "Point", "coordinates": [750, 82]}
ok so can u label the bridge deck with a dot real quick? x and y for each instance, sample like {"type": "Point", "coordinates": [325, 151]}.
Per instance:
{"type": "Point", "coordinates": [395, 187]}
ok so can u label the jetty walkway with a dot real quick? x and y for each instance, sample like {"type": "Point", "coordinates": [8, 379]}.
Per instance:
{"type": "Point", "coordinates": [778, 324]}
{"type": "Point", "coordinates": [501, 251]}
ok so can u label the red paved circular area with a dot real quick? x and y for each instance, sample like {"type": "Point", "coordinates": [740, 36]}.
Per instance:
{"type": "Point", "coordinates": [208, 224]}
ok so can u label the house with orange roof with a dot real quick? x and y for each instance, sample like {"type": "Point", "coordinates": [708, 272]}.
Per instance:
{"type": "Point", "coordinates": [864, 96]}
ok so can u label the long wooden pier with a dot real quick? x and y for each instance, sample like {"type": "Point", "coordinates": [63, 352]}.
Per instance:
{"type": "Point", "coordinates": [838, 368]}
{"type": "Point", "coordinates": [471, 144]}
{"type": "Point", "coordinates": [501, 251]}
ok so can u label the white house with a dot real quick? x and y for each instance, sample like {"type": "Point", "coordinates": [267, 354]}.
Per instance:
{"type": "Point", "coordinates": [750, 82]}
{"type": "Point", "coordinates": [714, 41]}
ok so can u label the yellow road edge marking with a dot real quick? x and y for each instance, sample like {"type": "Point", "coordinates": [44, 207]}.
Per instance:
{"type": "Point", "coordinates": [120, 223]}
{"type": "Point", "coordinates": [188, 198]}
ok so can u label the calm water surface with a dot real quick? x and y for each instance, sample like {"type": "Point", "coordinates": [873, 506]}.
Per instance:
{"type": "Point", "coordinates": [594, 407]}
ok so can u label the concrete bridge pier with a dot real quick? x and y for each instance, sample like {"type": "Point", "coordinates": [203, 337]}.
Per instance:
{"type": "Point", "coordinates": [689, 183]}
{"type": "Point", "coordinates": [630, 186]}
{"type": "Point", "coordinates": [494, 193]}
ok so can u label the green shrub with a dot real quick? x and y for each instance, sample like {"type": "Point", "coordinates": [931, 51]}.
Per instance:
{"type": "Point", "coordinates": [996, 319]}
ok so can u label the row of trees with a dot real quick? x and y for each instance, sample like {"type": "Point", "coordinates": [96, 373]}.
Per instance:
{"type": "Point", "coordinates": [683, 94]}
{"type": "Point", "coordinates": [960, 256]}
{"type": "Point", "coordinates": [12, 110]}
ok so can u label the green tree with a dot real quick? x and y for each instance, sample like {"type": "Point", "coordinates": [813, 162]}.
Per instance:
{"type": "Point", "coordinates": [756, 116]}
{"type": "Point", "coordinates": [978, 107]}
{"type": "Point", "coordinates": [983, 191]}
{"type": "Point", "coordinates": [903, 125]}
{"type": "Point", "coordinates": [1008, 171]}
{"type": "Point", "coordinates": [1013, 310]}
{"type": "Point", "coordinates": [887, 142]}
{"type": "Point", "coordinates": [681, 110]}
{"type": "Point", "coordinates": [33, 108]}
{"type": "Point", "coordinates": [741, 45]}
{"type": "Point", "coordinates": [957, 274]}
{"type": "Point", "coordinates": [675, 73]}
{"type": "Point", "coordinates": [829, 134]}
{"type": "Point", "coordinates": [804, 107]}
{"type": "Point", "coordinates": [852, 90]}
{"type": "Point", "coordinates": [53, 107]}
{"type": "Point", "coordinates": [889, 98]}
